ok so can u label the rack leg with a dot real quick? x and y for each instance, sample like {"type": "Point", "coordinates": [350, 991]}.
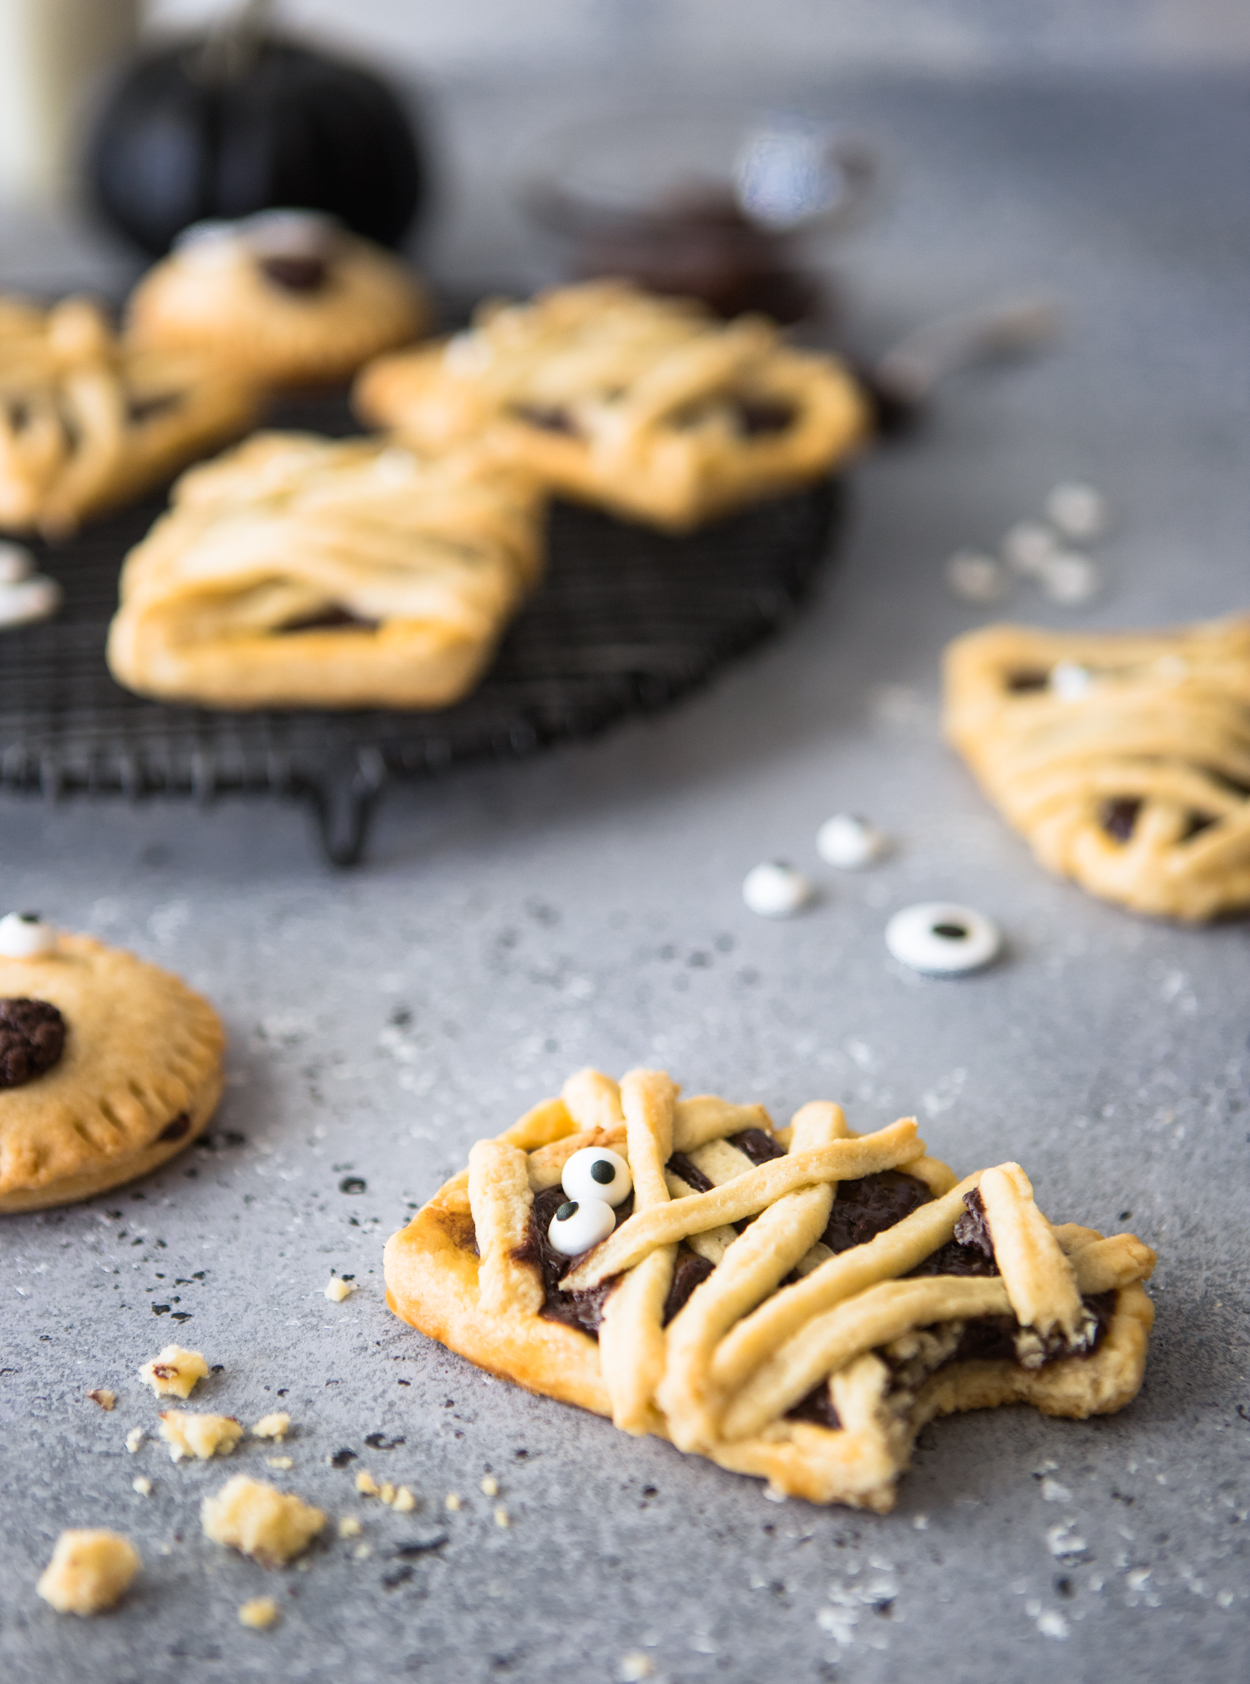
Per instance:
{"type": "Point", "coordinates": [343, 800]}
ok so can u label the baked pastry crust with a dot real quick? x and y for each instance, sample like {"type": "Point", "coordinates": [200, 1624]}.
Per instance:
{"type": "Point", "coordinates": [218, 294]}
{"type": "Point", "coordinates": [1123, 758]}
{"type": "Point", "coordinates": [87, 422]}
{"type": "Point", "coordinates": [300, 571]}
{"type": "Point", "coordinates": [647, 406]}
{"type": "Point", "coordinates": [138, 1080]}
{"type": "Point", "coordinates": [781, 1319]}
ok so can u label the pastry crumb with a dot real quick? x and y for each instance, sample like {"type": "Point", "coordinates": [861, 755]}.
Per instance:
{"type": "Point", "coordinates": [387, 1493]}
{"type": "Point", "coordinates": [201, 1436]}
{"type": "Point", "coordinates": [134, 1438]}
{"type": "Point", "coordinates": [337, 1290]}
{"type": "Point", "coordinates": [142, 1484]}
{"type": "Point", "coordinates": [490, 1486]}
{"type": "Point", "coordinates": [452, 1502]}
{"type": "Point", "coordinates": [502, 1517]}
{"type": "Point", "coordinates": [636, 1666]}
{"type": "Point", "coordinates": [276, 1425]}
{"type": "Point", "coordinates": [175, 1373]}
{"type": "Point", "coordinates": [349, 1527]}
{"type": "Point", "coordinates": [367, 1485]}
{"type": "Point", "coordinates": [261, 1521]}
{"type": "Point", "coordinates": [258, 1613]}
{"type": "Point", "coordinates": [283, 1462]}
{"type": "Point", "coordinates": [89, 1571]}
{"type": "Point", "coordinates": [105, 1398]}
{"type": "Point", "coordinates": [362, 1552]}
{"type": "Point", "coordinates": [404, 1502]}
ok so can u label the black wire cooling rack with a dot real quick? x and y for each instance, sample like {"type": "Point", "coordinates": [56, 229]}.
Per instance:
{"type": "Point", "coordinates": [627, 621]}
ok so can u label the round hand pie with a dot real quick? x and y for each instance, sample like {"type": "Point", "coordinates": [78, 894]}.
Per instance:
{"type": "Point", "coordinates": [108, 1066]}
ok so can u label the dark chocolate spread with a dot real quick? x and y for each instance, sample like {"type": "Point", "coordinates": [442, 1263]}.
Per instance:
{"type": "Point", "coordinates": [971, 1252]}
{"type": "Point", "coordinates": [817, 1407]}
{"type": "Point", "coordinates": [575, 1309]}
{"type": "Point", "coordinates": [694, 1177]}
{"type": "Point", "coordinates": [175, 1129]}
{"type": "Point", "coordinates": [689, 1270]}
{"type": "Point", "coordinates": [864, 1208]}
{"type": "Point", "coordinates": [1020, 683]}
{"type": "Point", "coordinates": [327, 619]}
{"type": "Point", "coordinates": [32, 1039]}
{"type": "Point", "coordinates": [758, 1145]}
{"type": "Point", "coordinates": [549, 417]}
{"type": "Point", "coordinates": [1119, 817]}
{"type": "Point", "coordinates": [296, 274]}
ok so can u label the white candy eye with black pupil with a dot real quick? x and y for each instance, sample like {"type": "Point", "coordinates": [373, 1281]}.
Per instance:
{"type": "Point", "coordinates": [597, 1173]}
{"type": "Point", "coordinates": [580, 1223]}
{"type": "Point", "coordinates": [24, 935]}
{"type": "Point", "coordinates": [942, 940]}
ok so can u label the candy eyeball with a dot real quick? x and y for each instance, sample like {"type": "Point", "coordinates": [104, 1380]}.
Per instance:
{"type": "Point", "coordinates": [1069, 681]}
{"type": "Point", "coordinates": [24, 935]}
{"type": "Point", "coordinates": [1069, 578]}
{"type": "Point", "coordinates": [1026, 547]}
{"type": "Point", "coordinates": [596, 1173]}
{"type": "Point", "coordinates": [580, 1223]}
{"type": "Point", "coordinates": [849, 842]}
{"type": "Point", "coordinates": [16, 563]}
{"type": "Point", "coordinates": [775, 889]}
{"type": "Point", "coordinates": [976, 578]}
{"type": "Point", "coordinates": [26, 600]}
{"type": "Point", "coordinates": [942, 940]}
{"type": "Point", "coordinates": [1079, 511]}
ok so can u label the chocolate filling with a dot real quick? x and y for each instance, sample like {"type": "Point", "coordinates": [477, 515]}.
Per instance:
{"type": "Point", "coordinates": [689, 1270]}
{"type": "Point", "coordinates": [690, 1173]}
{"type": "Point", "coordinates": [760, 416]}
{"type": "Point", "coordinates": [296, 274]}
{"type": "Point", "coordinates": [139, 410]}
{"type": "Point", "coordinates": [865, 1208]}
{"type": "Point", "coordinates": [1196, 824]}
{"type": "Point", "coordinates": [817, 1407]}
{"type": "Point", "coordinates": [1119, 817]}
{"type": "Point", "coordinates": [177, 1128]}
{"type": "Point", "coordinates": [1021, 682]}
{"type": "Point", "coordinates": [549, 417]}
{"type": "Point", "coordinates": [32, 1039]}
{"type": "Point", "coordinates": [327, 619]}
{"type": "Point", "coordinates": [575, 1309]}
{"type": "Point", "coordinates": [758, 1145]}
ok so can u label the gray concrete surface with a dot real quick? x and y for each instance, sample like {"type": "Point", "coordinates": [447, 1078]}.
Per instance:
{"type": "Point", "coordinates": [516, 923]}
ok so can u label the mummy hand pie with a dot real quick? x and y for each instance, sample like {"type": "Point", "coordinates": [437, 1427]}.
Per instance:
{"type": "Point", "coordinates": [794, 1304]}
{"type": "Point", "coordinates": [647, 406]}
{"type": "Point", "coordinates": [108, 1066]}
{"type": "Point", "coordinates": [299, 571]}
{"type": "Point", "coordinates": [88, 422]}
{"type": "Point", "coordinates": [1123, 759]}
{"type": "Point", "coordinates": [284, 297]}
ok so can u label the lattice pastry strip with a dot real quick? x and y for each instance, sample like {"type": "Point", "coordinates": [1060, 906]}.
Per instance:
{"type": "Point", "coordinates": [88, 422]}
{"type": "Point", "coordinates": [645, 405]}
{"type": "Point", "coordinates": [303, 571]}
{"type": "Point", "coordinates": [1123, 759]}
{"type": "Point", "coordinates": [921, 1295]}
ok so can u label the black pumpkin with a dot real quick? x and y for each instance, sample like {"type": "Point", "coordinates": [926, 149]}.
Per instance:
{"type": "Point", "coordinates": [223, 127]}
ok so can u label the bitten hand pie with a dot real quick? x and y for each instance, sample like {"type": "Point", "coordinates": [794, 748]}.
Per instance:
{"type": "Point", "coordinates": [88, 422]}
{"type": "Point", "coordinates": [1123, 759]}
{"type": "Point", "coordinates": [108, 1066]}
{"type": "Point", "coordinates": [871, 1292]}
{"type": "Point", "coordinates": [300, 571]}
{"type": "Point", "coordinates": [285, 298]}
{"type": "Point", "coordinates": [648, 406]}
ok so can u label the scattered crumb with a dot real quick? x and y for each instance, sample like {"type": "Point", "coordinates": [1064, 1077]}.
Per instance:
{"type": "Point", "coordinates": [1054, 1492]}
{"type": "Point", "coordinates": [272, 1426]}
{"type": "Point", "coordinates": [1052, 1624]}
{"type": "Point", "coordinates": [366, 1484]}
{"type": "Point", "coordinates": [405, 1502]}
{"type": "Point", "coordinates": [362, 1552]}
{"type": "Point", "coordinates": [349, 1527]}
{"type": "Point", "coordinates": [490, 1486]}
{"type": "Point", "coordinates": [636, 1666]}
{"type": "Point", "coordinates": [105, 1398]}
{"type": "Point", "coordinates": [134, 1438]}
{"type": "Point", "coordinates": [387, 1493]}
{"type": "Point", "coordinates": [337, 1290]}
{"type": "Point", "coordinates": [259, 1613]}
{"type": "Point", "coordinates": [775, 1494]}
{"type": "Point", "coordinates": [283, 1462]}
{"type": "Point", "coordinates": [201, 1436]}
{"type": "Point", "coordinates": [142, 1484]}
{"type": "Point", "coordinates": [261, 1521]}
{"type": "Point", "coordinates": [175, 1372]}
{"type": "Point", "coordinates": [452, 1502]}
{"type": "Point", "coordinates": [921, 1522]}
{"type": "Point", "coordinates": [501, 1516]}
{"type": "Point", "coordinates": [89, 1571]}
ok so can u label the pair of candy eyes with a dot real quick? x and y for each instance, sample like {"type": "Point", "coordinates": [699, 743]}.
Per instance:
{"type": "Point", "coordinates": [594, 1180]}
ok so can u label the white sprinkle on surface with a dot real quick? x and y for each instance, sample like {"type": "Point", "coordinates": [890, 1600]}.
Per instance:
{"type": "Point", "coordinates": [775, 889]}
{"type": "Point", "coordinates": [1026, 546]}
{"type": "Point", "coordinates": [1070, 579]}
{"type": "Point", "coordinates": [1053, 1492]}
{"type": "Point", "coordinates": [635, 1666]}
{"type": "Point", "coordinates": [1052, 1624]}
{"type": "Point", "coordinates": [976, 578]}
{"type": "Point", "coordinates": [1079, 511]}
{"type": "Point", "coordinates": [142, 1484]}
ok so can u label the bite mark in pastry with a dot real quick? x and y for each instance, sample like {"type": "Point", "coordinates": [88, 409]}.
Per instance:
{"type": "Point", "coordinates": [647, 406]}
{"type": "Point", "coordinates": [793, 1304]}
{"type": "Point", "coordinates": [300, 571]}
{"type": "Point", "coordinates": [1122, 758]}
